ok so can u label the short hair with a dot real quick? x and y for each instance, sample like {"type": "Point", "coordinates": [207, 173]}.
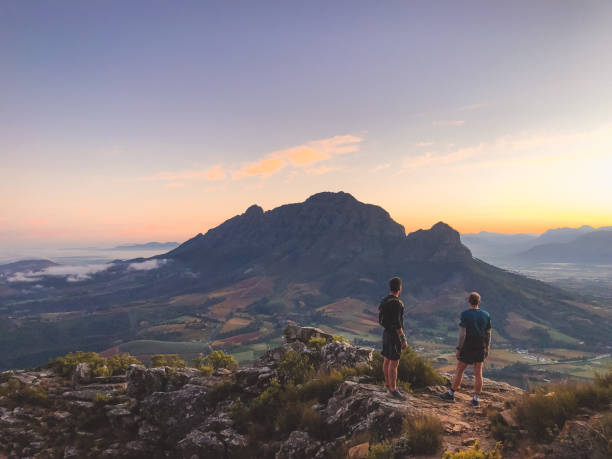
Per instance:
{"type": "Point", "coordinates": [474, 298]}
{"type": "Point", "coordinates": [395, 283]}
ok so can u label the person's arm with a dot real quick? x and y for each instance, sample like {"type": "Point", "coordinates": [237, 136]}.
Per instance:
{"type": "Point", "coordinates": [399, 324]}
{"type": "Point", "coordinates": [487, 339]}
{"type": "Point", "coordinates": [461, 340]}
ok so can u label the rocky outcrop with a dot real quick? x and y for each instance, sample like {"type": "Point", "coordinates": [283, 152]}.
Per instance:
{"type": "Point", "coordinates": [341, 354]}
{"type": "Point", "coordinates": [357, 408]}
{"type": "Point", "coordinates": [165, 412]}
{"type": "Point", "coordinates": [304, 334]}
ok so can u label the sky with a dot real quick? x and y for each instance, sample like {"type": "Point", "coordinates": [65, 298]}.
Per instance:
{"type": "Point", "coordinates": [156, 120]}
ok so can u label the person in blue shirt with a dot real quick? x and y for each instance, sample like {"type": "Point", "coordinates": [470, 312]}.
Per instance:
{"type": "Point", "coordinates": [472, 347]}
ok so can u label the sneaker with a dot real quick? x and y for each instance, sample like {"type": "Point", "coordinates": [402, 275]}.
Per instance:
{"type": "Point", "coordinates": [387, 388]}
{"type": "Point", "coordinates": [448, 397]}
{"type": "Point", "coordinates": [397, 394]}
{"type": "Point", "coordinates": [474, 402]}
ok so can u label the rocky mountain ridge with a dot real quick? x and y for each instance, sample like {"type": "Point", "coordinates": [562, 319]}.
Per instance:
{"type": "Point", "coordinates": [166, 412]}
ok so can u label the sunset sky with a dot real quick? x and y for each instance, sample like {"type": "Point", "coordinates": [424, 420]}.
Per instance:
{"type": "Point", "coordinates": [155, 120]}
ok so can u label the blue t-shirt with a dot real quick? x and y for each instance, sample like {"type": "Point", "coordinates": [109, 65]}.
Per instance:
{"type": "Point", "coordinates": [477, 322]}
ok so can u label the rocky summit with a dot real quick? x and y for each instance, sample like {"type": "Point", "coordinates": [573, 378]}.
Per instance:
{"type": "Point", "coordinates": [184, 413]}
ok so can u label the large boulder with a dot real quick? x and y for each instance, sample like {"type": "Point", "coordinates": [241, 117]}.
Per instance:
{"type": "Point", "coordinates": [357, 407]}
{"type": "Point", "coordinates": [303, 334]}
{"type": "Point", "coordinates": [82, 374]}
{"type": "Point", "coordinates": [337, 354]}
{"type": "Point", "coordinates": [142, 381]}
{"type": "Point", "coordinates": [176, 413]}
{"type": "Point", "coordinates": [300, 445]}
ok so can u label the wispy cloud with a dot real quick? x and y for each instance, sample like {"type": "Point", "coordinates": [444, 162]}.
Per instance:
{"type": "Point", "coordinates": [213, 173]}
{"type": "Point", "coordinates": [72, 273]}
{"type": "Point", "coordinates": [432, 158]}
{"type": "Point", "coordinates": [146, 265]}
{"type": "Point", "coordinates": [423, 144]}
{"type": "Point", "coordinates": [467, 108]}
{"type": "Point", "coordinates": [174, 185]}
{"type": "Point", "coordinates": [381, 167]}
{"type": "Point", "coordinates": [320, 170]}
{"type": "Point", "coordinates": [448, 123]}
{"type": "Point", "coordinates": [300, 156]}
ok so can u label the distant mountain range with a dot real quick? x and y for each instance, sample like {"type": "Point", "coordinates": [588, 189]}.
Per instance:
{"type": "Point", "coordinates": [325, 262]}
{"type": "Point", "coordinates": [550, 246]}
{"type": "Point", "coordinates": [147, 246]}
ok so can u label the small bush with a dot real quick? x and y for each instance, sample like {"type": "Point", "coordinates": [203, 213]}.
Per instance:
{"type": "Point", "coordinates": [341, 339]}
{"type": "Point", "coordinates": [475, 453]}
{"type": "Point", "coordinates": [382, 450]}
{"type": "Point", "coordinates": [167, 360]}
{"type": "Point", "coordinates": [322, 387]}
{"type": "Point", "coordinates": [101, 399]}
{"type": "Point", "coordinates": [416, 370]}
{"type": "Point", "coordinates": [206, 370]}
{"type": "Point", "coordinates": [119, 363]}
{"type": "Point", "coordinates": [316, 343]}
{"type": "Point", "coordinates": [422, 434]}
{"type": "Point", "coordinates": [544, 411]}
{"type": "Point", "coordinates": [219, 359]}
{"type": "Point", "coordinates": [20, 393]}
{"type": "Point", "coordinates": [219, 392]}
{"type": "Point", "coordinates": [295, 368]}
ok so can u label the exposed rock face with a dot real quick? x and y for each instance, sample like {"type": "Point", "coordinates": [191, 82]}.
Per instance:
{"type": "Point", "coordinates": [338, 354]}
{"type": "Point", "coordinates": [300, 445]}
{"type": "Point", "coordinates": [303, 334]}
{"type": "Point", "coordinates": [356, 408]}
{"type": "Point", "coordinates": [82, 374]}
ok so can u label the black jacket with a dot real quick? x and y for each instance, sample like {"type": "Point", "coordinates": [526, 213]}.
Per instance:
{"type": "Point", "coordinates": [391, 313]}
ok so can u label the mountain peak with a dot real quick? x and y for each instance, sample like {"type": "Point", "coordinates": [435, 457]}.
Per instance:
{"type": "Point", "coordinates": [254, 210]}
{"type": "Point", "coordinates": [331, 197]}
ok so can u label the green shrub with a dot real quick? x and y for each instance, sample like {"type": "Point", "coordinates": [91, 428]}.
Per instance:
{"type": "Point", "coordinates": [295, 368]}
{"type": "Point", "coordinates": [119, 363]}
{"type": "Point", "coordinates": [316, 343]}
{"type": "Point", "coordinates": [382, 450]}
{"type": "Point", "coordinates": [64, 366]}
{"type": "Point", "coordinates": [219, 392]}
{"type": "Point", "coordinates": [422, 434]}
{"type": "Point", "coordinates": [100, 366]}
{"type": "Point", "coordinates": [19, 393]}
{"type": "Point", "coordinates": [544, 411]}
{"type": "Point", "coordinates": [322, 386]}
{"type": "Point", "coordinates": [475, 453]}
{"type": "Point", "coordinates": [101, 399]}
{"type": "Point", "coordinates": [167, 360]}
{"type": "Point", "coordinates": [219, 359]}
{"type": "Point", "coordinates": [416, 370]}
{"type": "Point", "coordinates": [206, 370]}
{"type": "Point", "coordinates": [340, 339]}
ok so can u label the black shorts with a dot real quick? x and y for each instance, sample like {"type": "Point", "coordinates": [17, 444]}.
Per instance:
{"type": "Point", "coordinates": [391, 345]}
{"type": "Point", "coordinates": [472, 355]}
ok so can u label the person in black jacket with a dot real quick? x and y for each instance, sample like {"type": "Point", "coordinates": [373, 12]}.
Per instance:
{"type": "Point", "coordinates": [391, 317]}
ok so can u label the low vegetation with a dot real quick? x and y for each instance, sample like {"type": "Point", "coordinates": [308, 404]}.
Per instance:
{"type": "Point", "coordinates": [219, 359]}
{"type": "Point", "coordinates": [475, 453]}
{"type": "Point", "coordinates": [18, 393]}
{"type": "Point", "coordinates": [421, 434]}
{"type": "Point", "coordinates": [544, 411]}
{"type": "Point", "coordinates": [167, 360]}
{"type": "Point", "coordinates": [100, 366]}
{"type": "Point", "coordinates": [412, 370]}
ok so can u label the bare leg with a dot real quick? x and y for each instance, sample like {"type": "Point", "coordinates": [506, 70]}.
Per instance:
{"type": "Point", "coordinates": [393, 364]}
{"type": "Point", "coordinates": [461, 366]}
{"type": "Point", "coordinates": [477, 377]}
{"type": "Point", "coordinates": [386, 371]}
